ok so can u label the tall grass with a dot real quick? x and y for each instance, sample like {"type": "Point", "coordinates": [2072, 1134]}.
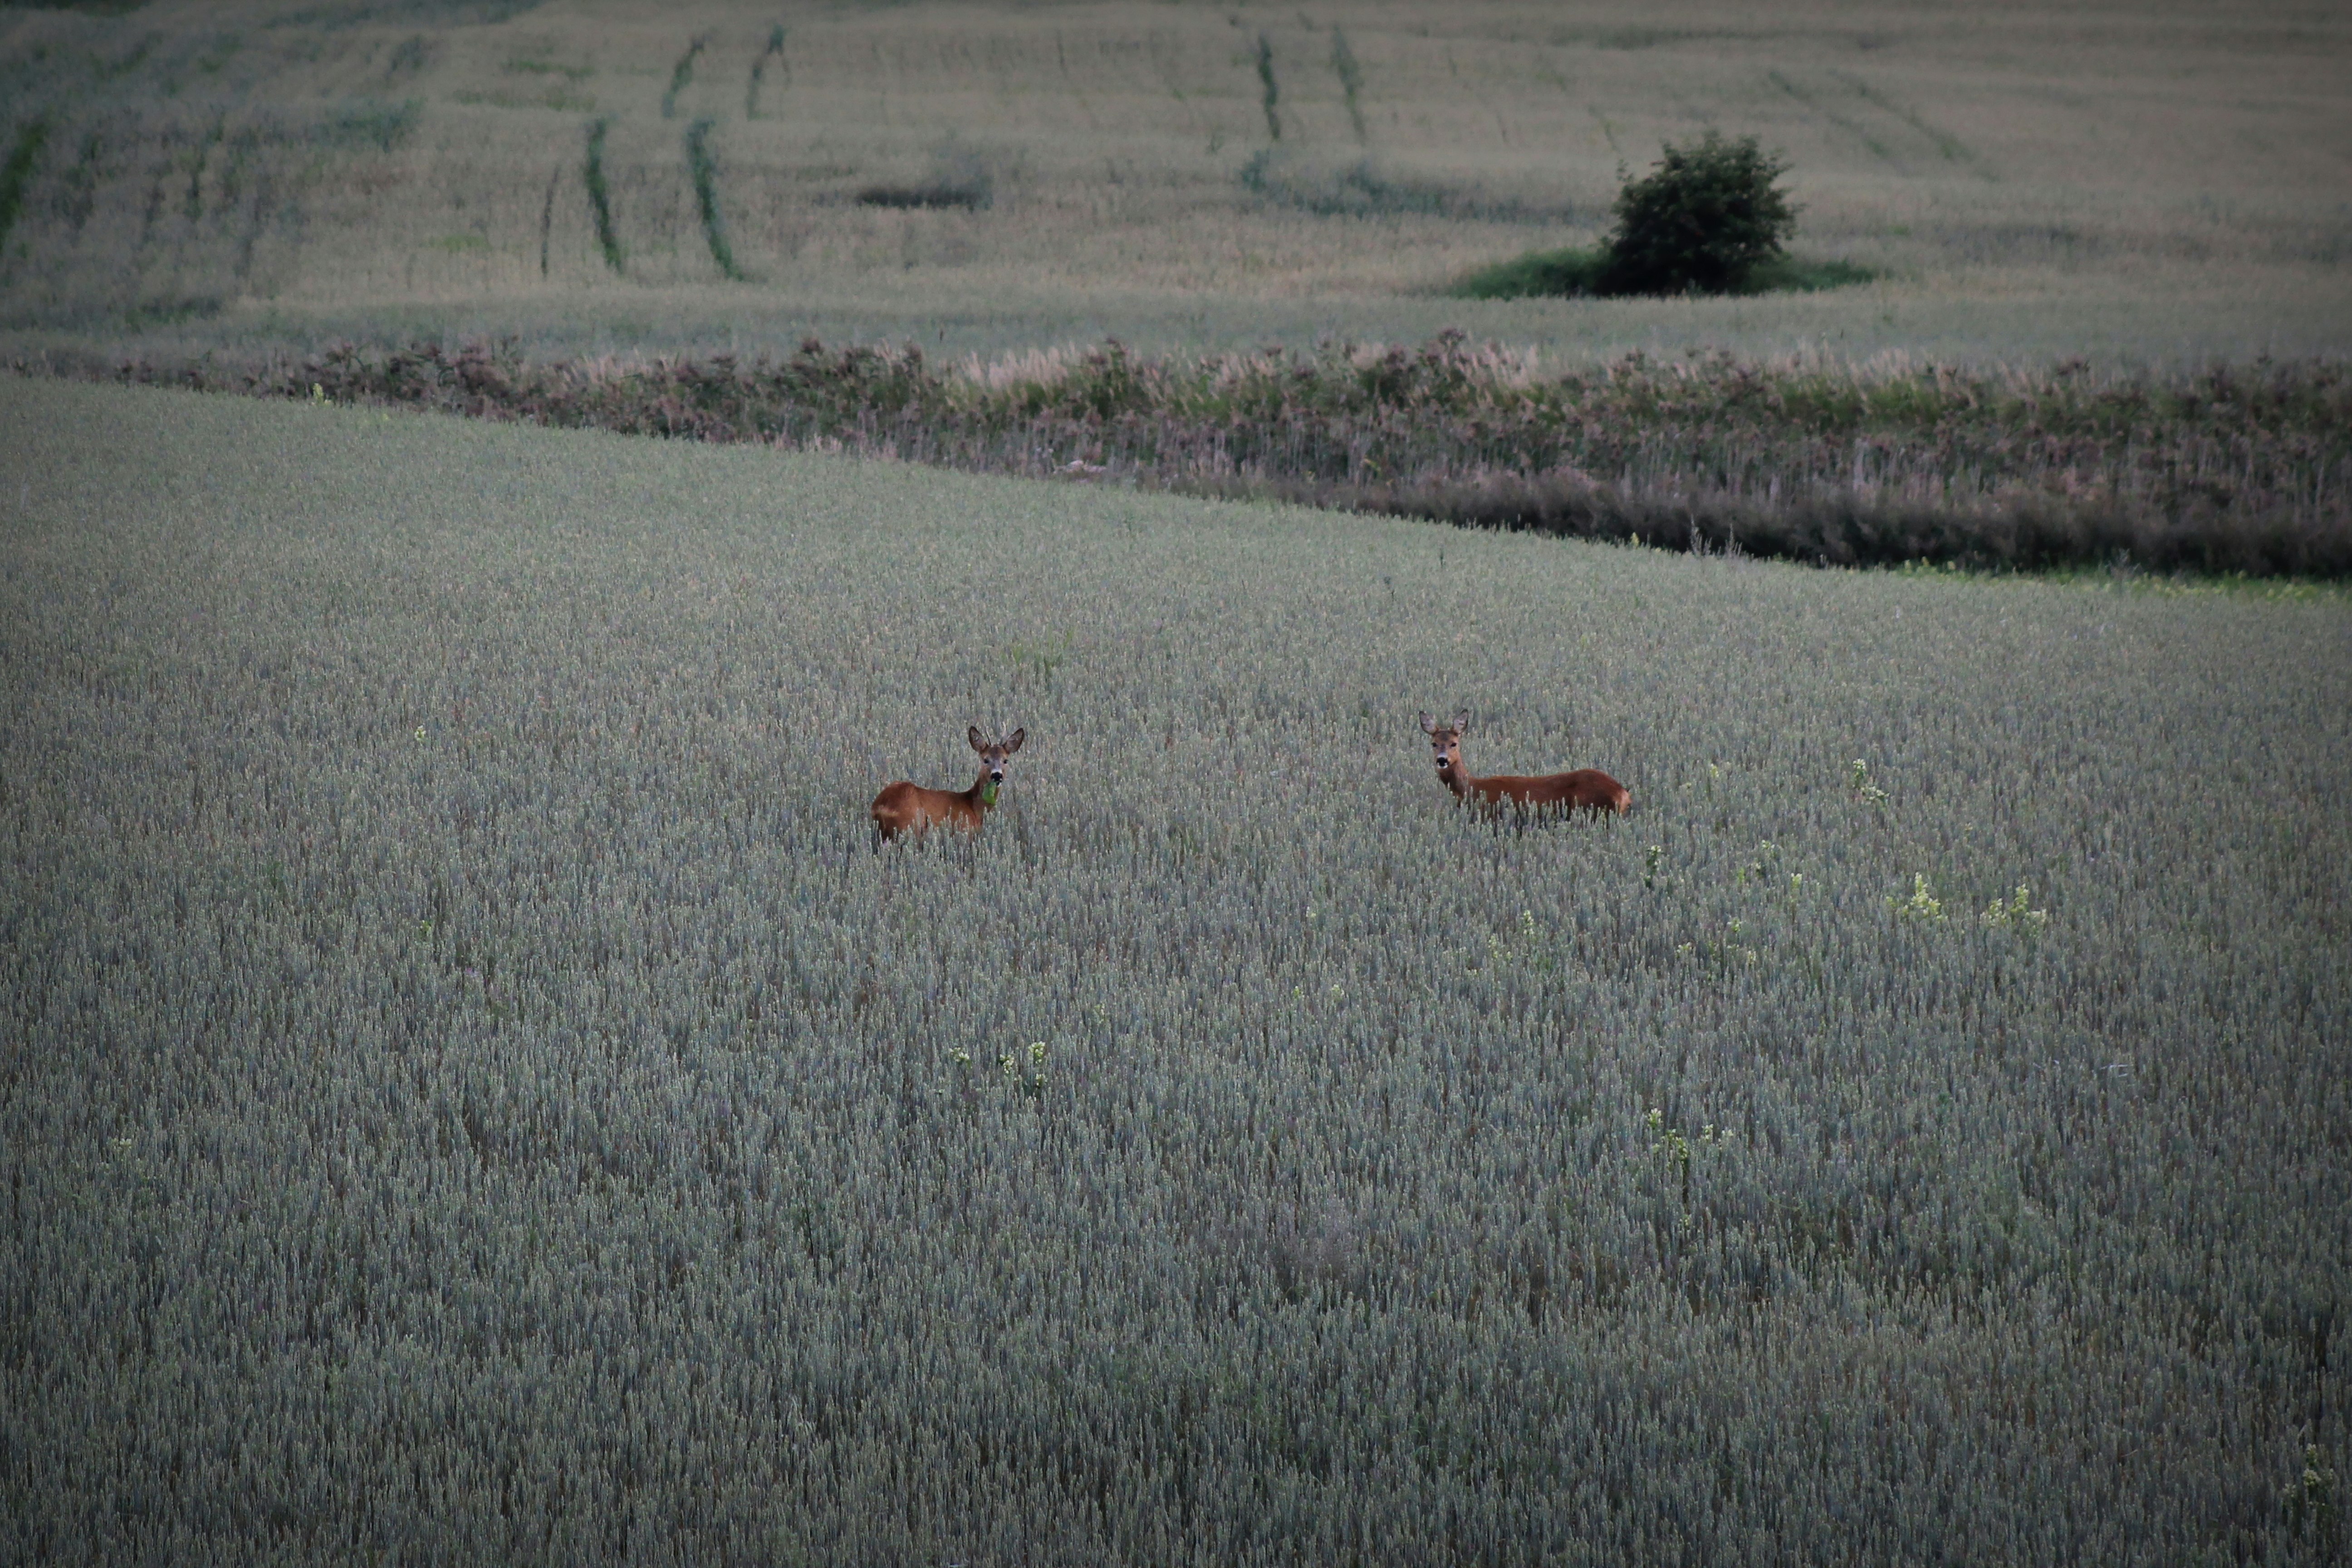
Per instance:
{"type": "Point", "coordinates": [2228, 469]}
{"type": "Point", "coordinates": [469, 1088]}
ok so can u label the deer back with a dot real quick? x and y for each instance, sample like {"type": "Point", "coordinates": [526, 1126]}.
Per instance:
{"type": "Point", "coordinates": [908, 807]}
{"type": "Point", "coordinates": [1582, 790]}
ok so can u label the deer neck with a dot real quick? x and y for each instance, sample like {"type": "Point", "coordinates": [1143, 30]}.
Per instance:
{"type": "Point", "coordinates": [1458, 779]}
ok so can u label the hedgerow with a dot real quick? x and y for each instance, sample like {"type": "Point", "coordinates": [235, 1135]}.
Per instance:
{"type": "Point", "coordinates": [2225, 469]}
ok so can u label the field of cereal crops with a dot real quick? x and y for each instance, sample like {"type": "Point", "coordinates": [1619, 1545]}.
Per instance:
{"type": "Point", "coordinates": [2158, 182]}
{"type": "Point", "coordinates": [470, 1088]}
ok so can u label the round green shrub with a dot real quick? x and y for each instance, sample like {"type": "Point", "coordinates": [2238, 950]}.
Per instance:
{"type": "Point", "coordinates": [1699, 221]}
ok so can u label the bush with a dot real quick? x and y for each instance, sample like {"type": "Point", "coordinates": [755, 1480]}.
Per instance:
{"type": "Point", "coordinates": [1710, 219]}
{"type": "Point", "coordinates": [1700, 221]}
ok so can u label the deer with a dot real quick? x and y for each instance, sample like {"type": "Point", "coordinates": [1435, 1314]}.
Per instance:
{"type": "Point", "coordinates": [1585, 789]}
{"type": "Point", "coordinates": [910, 808]}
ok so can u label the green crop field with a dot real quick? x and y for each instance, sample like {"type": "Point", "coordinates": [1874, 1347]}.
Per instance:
{"type": "Point", "coordinates": [474, 1090]}
{"type": "Point", "coordinates": [470, 1088]}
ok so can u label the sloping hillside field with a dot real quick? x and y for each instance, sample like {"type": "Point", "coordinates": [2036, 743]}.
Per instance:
{"type": "Point", "coordinates": [470, 1088]}
{"type": "Point", "coordinates": [2159, 182]}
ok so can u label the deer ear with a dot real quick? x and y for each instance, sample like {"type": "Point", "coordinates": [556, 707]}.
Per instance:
{"type": "Point", "coordinates": [972, 735]}
{"type": "Point", "coordinates": [1428, 725]}
{"type": "Point", "coordinates": [1012, 742]}
{"type": "Point", "coordinates": [1461, 721]}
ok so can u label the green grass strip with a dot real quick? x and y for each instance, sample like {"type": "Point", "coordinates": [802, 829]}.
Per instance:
{"type": "Point", "coordinates": [547, 218]}
{"type": "Point", "coordinates": [17, 172]}
{"type": "Point", "coordinates": [774, 51]}
{"type": "Point", "coordinates": [1573, 273]}
{"type": "Point", "coordinates": [1578, 273]}
{"type": "Point", "coordinates": [599, 198]}
{"type": "Point", "coordinates": [1351, 80]}
{"type": "Point", "coordinates": [705, 197]}
{"type": "Point", "coordinates": [1266, 76]}
{"type": "Point", "coordinates": [681, 74]}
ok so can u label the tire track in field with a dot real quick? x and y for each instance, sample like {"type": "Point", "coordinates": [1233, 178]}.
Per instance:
{"type": "Point", "coordinates": [1882, 141]}
{"type": "Point", "coordinates": [1852, 127]}
{"type": "Point", "coordinates": [1950, 147]}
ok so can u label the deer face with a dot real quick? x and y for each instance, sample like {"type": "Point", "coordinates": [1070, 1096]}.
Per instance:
{"type": "Point", "coordinates": [1445, 740]}
{"type": "Point", "coordinates": [993, 757]}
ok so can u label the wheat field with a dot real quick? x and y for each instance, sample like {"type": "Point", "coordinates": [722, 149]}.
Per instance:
{"type": "Point", "coordinates": [473, 1089]}
{"type": "Point", "coordinates": [470, 1088]}
{"type": "Point", "coordinates": [2141, 183]}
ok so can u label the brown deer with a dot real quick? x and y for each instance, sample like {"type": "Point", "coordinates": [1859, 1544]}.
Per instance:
{"type": "Point", "coordinates": [1585, 789]}
{"type": "Point", "coordinates": [910, 808]}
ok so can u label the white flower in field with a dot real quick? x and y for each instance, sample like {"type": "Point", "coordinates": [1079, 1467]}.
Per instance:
{"type": "Point", "coordinates": [420, 732]}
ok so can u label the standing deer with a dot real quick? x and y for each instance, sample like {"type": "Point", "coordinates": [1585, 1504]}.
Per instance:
{"type": "Point", "coordinates": [904, 807]}
{"type": "Point", "coordinates": [1586, 789]}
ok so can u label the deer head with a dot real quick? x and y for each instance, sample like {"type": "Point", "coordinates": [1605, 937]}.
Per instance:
{"type": "Point", "coordinates": [992, 757]}
{"type": "Point", "coordinates": [1445, 740]}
